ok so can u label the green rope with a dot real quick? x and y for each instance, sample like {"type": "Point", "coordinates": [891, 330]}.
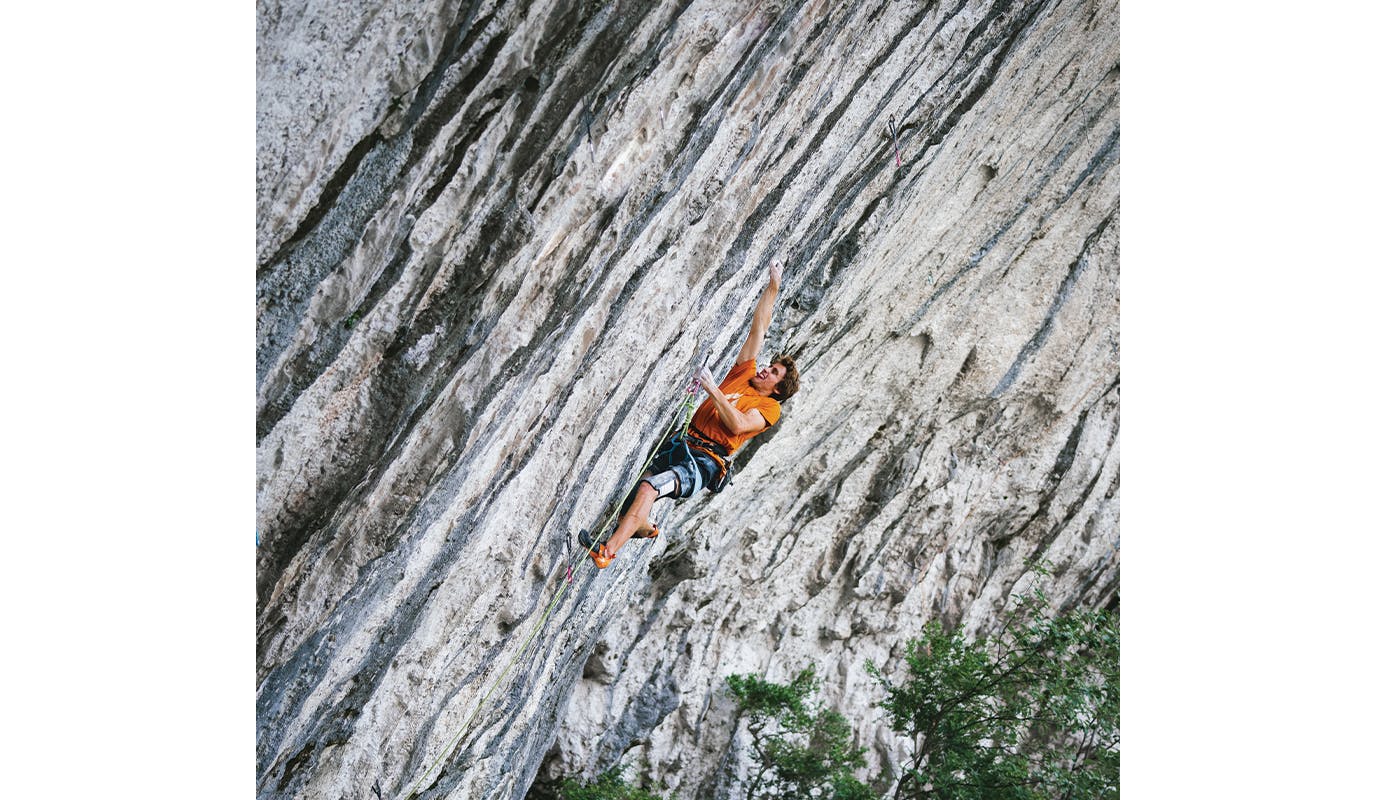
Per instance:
{"type": "Point", "coordinates": [685, 409]}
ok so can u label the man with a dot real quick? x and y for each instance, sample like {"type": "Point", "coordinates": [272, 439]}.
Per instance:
{"type": "Point", "coordinates": [742, 407]}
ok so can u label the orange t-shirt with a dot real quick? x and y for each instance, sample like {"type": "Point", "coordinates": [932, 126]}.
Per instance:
{"type": "Point", "coordinates": [708, 422]}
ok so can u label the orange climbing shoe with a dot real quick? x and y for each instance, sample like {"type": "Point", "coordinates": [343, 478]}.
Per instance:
{"type": "Point", "coordinates": [653, 533]}
{"type": "Point", "coordinates": [599, 556]}
{"type": "Point", "coordinates": [597, 551]}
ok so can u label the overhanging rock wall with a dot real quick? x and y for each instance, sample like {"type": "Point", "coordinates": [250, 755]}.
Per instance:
{"type": "Point", "coordinates": [492, 238]}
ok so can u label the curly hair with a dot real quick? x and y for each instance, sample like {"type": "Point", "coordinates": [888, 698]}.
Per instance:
{"type": "Point", "coordinates": [791, 380]}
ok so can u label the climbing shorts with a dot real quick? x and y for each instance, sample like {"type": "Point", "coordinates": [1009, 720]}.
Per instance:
{"type": "Point", "coordinates": [679, 471]}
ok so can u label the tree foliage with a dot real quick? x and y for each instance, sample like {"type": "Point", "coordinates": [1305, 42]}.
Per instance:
{"type": "Point", "coordinates": [1030, 713]}
{"type": "Point", "coordinates": [801, 750]}
{"type": "Point", "coordinates": [607, 786]}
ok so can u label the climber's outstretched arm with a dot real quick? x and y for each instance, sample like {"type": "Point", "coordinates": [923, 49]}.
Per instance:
{"type": "Point", "coordinates": [763, 315]}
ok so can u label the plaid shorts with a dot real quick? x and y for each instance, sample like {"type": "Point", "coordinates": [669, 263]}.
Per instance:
{"type": "Point", "coordinates": [693, 469]}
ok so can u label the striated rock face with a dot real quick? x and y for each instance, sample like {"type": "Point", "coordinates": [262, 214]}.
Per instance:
{"type": "Point", "coordinates": [492, 240]}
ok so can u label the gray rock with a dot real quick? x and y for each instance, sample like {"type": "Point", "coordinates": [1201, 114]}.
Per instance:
{"type": "Point", "coordinates": [492, 240]}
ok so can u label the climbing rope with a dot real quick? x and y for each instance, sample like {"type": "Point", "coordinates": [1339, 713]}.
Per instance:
{"type": "Point", "coordinates": [683, 413]}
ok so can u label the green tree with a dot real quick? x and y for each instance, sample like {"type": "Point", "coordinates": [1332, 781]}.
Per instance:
{"type": "Point", "coordinates": [798, 746]}
{"type": "Point", "coordinates": [1030, 713]}
{"type": "Point", "coordinates": [607, 786]}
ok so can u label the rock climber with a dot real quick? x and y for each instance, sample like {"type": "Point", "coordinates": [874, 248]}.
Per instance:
{"type": "Point", "coordinates": [746, 402]}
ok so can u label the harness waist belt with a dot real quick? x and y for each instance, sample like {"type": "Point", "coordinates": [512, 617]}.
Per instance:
{"type": "Point", "coordinates": [695, 439]}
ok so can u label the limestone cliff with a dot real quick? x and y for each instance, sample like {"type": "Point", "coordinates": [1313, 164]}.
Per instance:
{"type": "Point", "coordinates": [492, 239]}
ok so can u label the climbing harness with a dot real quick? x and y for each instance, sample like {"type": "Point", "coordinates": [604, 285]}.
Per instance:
{"type": "Point", "coordinates": [725, 464]}
{"type": "Point", "coordinates": [694, 463]}
{"type": "Point", "coordinates": [684, 411]}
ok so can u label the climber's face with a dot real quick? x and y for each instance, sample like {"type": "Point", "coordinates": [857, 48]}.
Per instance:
{"type": "Point", "coordinates": [765, 379]}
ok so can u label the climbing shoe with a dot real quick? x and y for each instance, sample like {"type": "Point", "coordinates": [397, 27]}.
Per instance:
{"type": "Point", "coordinates": [599, 556]}
{"type": "Point", "coordinates": [598, 553]}
{"type": "Point", "coordinates": [653, 533]}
